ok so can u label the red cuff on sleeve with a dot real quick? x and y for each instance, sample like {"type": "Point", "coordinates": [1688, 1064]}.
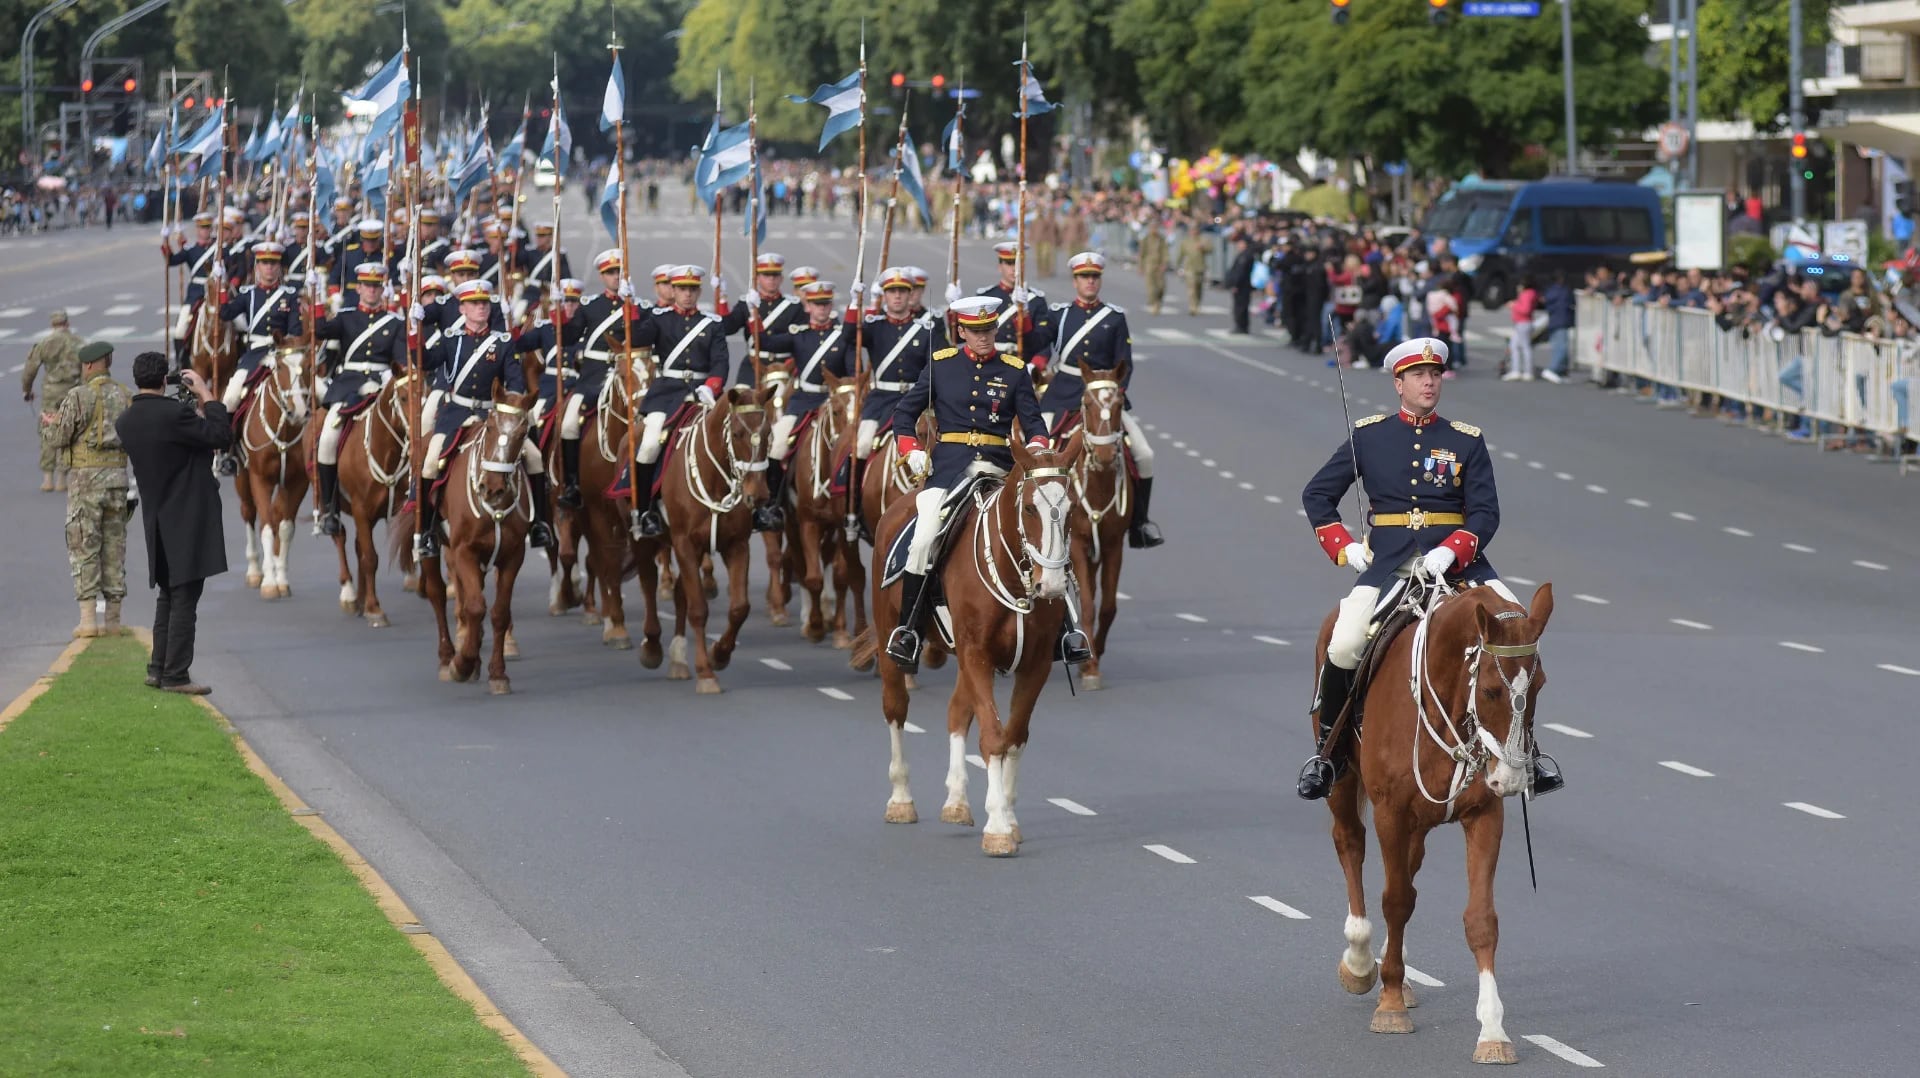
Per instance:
{"type": "Point", "coordinates": [716, 382]}
{"type": "Point", "coordinates": [906, 443]}
{"type": "Point", "coordinates": [720, 307]}
{"type": "Point", "coordinates": [633, 311]}
{"type": "Point", "coordinates": [853, 313]}
{"type": "Point", "coordinates": [1026, 322]}
{"type": "Point", "coordinates": [1464, 545]}
{"type": "Point", "coordinates": [413, 339]}
{"type": "Point", "coordinates": [1334, 539]}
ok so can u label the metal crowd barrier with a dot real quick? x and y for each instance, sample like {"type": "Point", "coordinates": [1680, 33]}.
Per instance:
{"type": "Point", "coordinates": [1844, 381]}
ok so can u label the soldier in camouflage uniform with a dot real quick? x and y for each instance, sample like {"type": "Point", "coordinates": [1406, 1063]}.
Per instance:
{"type": "Point", "coordinates": [97, 505]}
{"type": "Point", "coordinates": [59, 356]}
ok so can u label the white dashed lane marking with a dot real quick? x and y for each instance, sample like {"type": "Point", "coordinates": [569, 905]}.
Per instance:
{"type": "Point", "coordinates": [1595, 488]}
{"type": "Point", "coordinates": [835, 694]}
{"type": "Point", "coordinates": [1892, 669]}
{"type": "Point", "coordinates": [1169, 853]}
{"type": "Point", "coordinates": [1195, 618]}
{"type": "Point", "coordinates": [1795, 645]}
{"type": "Point", "coordinates": [16, 312]}
{"type": "Point", "coordinates": [1072, 806]}
{"type": "Point", "coordinates": [1275, 499]}
{"type": "Point", "coordinates": [1244, 485]}
{"type": "Point", "coordinates": [1813, 810]}
{"type": "Point", "coordinates": [1209, 463]}
{"type": "Point", "coordinates": [974, 759]}
{"type": "Point", "coordinates": [1874, 565]}
{"type": "Point", "coordinates": [1525, 582]}
{"type": "Point", "coordinates": [1427, 979]}
{"type": "Point", "coordinates": [1536, 465]}
{"type": "Point", "coordinates": [1678, 515]}
{"type": "Point", "coordinates": [1799, 548]}
{"type": "Point", "coordinates": [1686, 769]}
{"type": "Point", "coordinates": [1564, 476]}
{"type": "Point", "coordinates": [1571, 1055]}
{"type": "Point", "coordinates": [911, 728]}
{"type": "Point", "coordinates": [1570, 731]}
{"type": "Point", "coordinates": [1686, 623]}
{"type": "Point", "coordinates": [1274, 640]}
{"type": "Point", "coordinates": [1594, 599]}
{"type": "Point", "coordinates": [1639, 503]}
{"type": "Point", "coordinates": [1741, 532]}
{"type": "Point", "coordinates": [775, 664]}
{"type": "Point", "coordinates": [124, 308]}
{"type": "Point", "coordinates": [1278, 907]}
{"type": "Point", "coordinates": [1509, 454]}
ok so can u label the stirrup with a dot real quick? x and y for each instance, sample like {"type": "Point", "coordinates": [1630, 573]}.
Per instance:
{"type": "Point", "coordinates": [647, 524]}
{"type": "Point", "coordinates": [1317, 777]}
{"type": "Point", "coordinates": [329, 523]}
{"type": "Point", "coordinates": [425, 545]}
{"type": "Point", "coordinates": [539, 534]}
{"type": "Point", "coordinates": [1073, 649]}
{"type": "Point", "coordinates": [226, 465]}
{"type": "Point", "coordinates": [1546, 779]}
{"type": "Point", "coordinates": [1144, 535]}
{"type": "Point", "coordinates": [569, 497]}
{"type": "Point", "coordinates": [903, 647]}
{"type": "Point", "coordinates": [768, 518]}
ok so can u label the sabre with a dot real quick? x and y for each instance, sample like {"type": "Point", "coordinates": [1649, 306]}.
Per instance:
{"type": "Point", "coordinates": [1353, 458]}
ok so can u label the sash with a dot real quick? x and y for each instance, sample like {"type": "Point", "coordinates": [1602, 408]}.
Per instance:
{"type": "Point", "coordinates": [253, 322]}
{"type": "Point", "coordinates": [602, 329]}
{"type": "Point", "coordinates": [365, 336]}
{"type": "Point", "coordinates": [1060, 354]}
{"type": "Point", "coordinates": [540, 267]}
{"type": "Point", "coordinates": [197, 270]}
{"type": "Point", "coordinates": [819, 354]}
{"type": "Point", "coordinates": [473, 360]}
{"type": "Point", "coordinates": [773, 316]}
{"type": "Point", "coordinates": [899, 346]}
{"type": "Point", "coordinates": [666, 367]}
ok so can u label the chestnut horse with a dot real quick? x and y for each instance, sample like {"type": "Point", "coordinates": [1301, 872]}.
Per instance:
{"type": "Point", "coordinates": [487, 505]}
{"type": "Point", "coordinates": [1105, 493]}
{"type": "Point", "coordinates": [1006, 586]}
{"type": "Point", "coordinates": [817, 521]}
{"type": "Point", "coordinates": [1451, 702]}
{"type": "Point", "coordinates": [612, 553]}
{"type": "Point", "coordinates": [373, 462]}
{"type": "Point", "coordinates": [213, 348]}
{"type": "Point", "coordinates": [272, 478]}
{"type": "Point", "coordinates": [707, 494]}
{"type": "Point", "coordinates": [777, 380]}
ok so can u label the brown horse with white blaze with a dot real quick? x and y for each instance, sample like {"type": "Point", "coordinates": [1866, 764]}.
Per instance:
{"type": "Point", "coordinates": [817, 538]}
{"type": "Point", "coordinates": [1448, 736]}
{"type": "Point", "coordinates": [213, 348]}
{"type": "Point", "coordinates": [612, 552]}
{"type": "Point", "coordinates": [1006, 587]}
{"type": "Point", "coordinates": [272, 481]}
{"type": "Point", "coordinates": [373, 462]}
{"type": "Point", "coordinates": [1104, 491]}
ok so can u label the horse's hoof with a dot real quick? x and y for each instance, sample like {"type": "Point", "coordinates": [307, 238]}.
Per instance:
{"type": "Point", "coordinates": [813, 634]}
{"type": "Point", "coordinates": [410, 582]}
{"type": "Point", "coordinates": [1500, 1052]}
{"type": "Point", "coordinates": [650, 654]}
{"type": "Point", "coordinates": [961, 814]}
{"type": "Point", "coordinates": [446, 673]}
{"type": "Point", "coordinates": [1090, 682]}
{"type": "Point", "coordinates": [253, 580]}
{"type": "Point", "coordinates": [707, 686]}
{"type": "Point", "coordinates": [912, 682]}
{"type": "Point", "coordinates": [1356, 983]}
{"type": "Point", "coordinates": [510, 648]}
{"type": "Point", "coordinates": [268, 591]}
{"type": "Point", "coordinates": [590, 618]}
{"type": "Point", "coordinates": [779, 617]}
{"type": "Point", "coordinates": [842, 640]}
{"type": "Point", "coordinates": [284, 591]}
{"type": "Point", "coordinates": [902, 812]}
{"type": "Point", "coordinates": [349, 606]}
{"type": "Point", "coordinates": [711, 587]}
{"type": "Point", "coordinates": [1016, 835]}
{"type": "Point", "coordinates": [618, 640]}
{"type": "Point", "coordinates": [679, 672]}
{"type": "Point", "coordinates": [1391, 1022]}
{"type": "Point", "coordinates": [499, 686]}
{"type": "Point", "coordinates": [999, 845]}
{"type": "Point", "coordinates": [377, 621]}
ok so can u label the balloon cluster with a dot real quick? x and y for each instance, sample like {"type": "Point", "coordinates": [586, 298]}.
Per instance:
{"type": "Point", "coordinates": [1215, 174]}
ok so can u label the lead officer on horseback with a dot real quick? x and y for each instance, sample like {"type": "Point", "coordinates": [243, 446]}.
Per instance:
{"type": "Point", "coordinates": [1432, 507]}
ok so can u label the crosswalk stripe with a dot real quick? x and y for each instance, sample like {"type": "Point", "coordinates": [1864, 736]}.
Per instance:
{"type": "Point", "coordinates": [113, 333]}
{"type": "Point", "coordinates": [1167, 333]}
{"type": "Point", "coordinates": [16, 312]}
{"type": "Point", "coordinates": [122, 309]}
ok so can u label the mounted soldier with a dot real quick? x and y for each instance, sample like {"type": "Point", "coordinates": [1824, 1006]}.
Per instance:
{"type": "Point", "coordinates": [198, 257]}
{"type": "Point", "coordinates": [778, 315]}
{"type": "Point", "coordinates": [1021, 310]}
{"type": "Point", "coordinates": [1091, 334]}
{"type": "Point", "coordinates": [1432, 507]}
{"type": "Point", "coordinates": [541, 271]}
{"type": "Point", "coordinates": [692, 355]}
{"type": "Point", "coordinates": [823, 345]}
{"type": "Point", "coordinates": [899, 346]}
{"type": "Point", "coordinates": [374, 348]}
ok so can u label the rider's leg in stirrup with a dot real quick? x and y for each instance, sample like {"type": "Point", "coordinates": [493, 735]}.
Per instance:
{"type": "Point", "coordinates": [772, 516]}
{"type": "Point", "coordinates": [426, 540]}
{"type": "Point", "coordinates": [904, 645]}
{"type": "Point", "coordinates": [1344, 646]}
{"type": "Point", "coordinates": [328, 452]}
{"type": "Point", "coordinates": [570, 452]}
{"type": "Point", "coordinates": [647, 522]}
{"type": "Point", "coordinates": [540, 530]}
{"type": "Point", "coordinates": [1141, 531]}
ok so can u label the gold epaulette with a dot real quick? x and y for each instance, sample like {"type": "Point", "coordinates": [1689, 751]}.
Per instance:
{"type": "Point", "coordinates": [945, 352]}
{"type": "Point", "coordinates": [1012, 362]}
{"type": "Point", "coordinates": [1465, 428]}
{"type": "Point", "coordinates": [1358, 423]}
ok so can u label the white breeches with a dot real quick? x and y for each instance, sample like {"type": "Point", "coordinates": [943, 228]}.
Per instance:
{"type": "Point", "coordinates": [237, 385]}
{"type": "Point", "coordinates": [529, 456]}
{"type": "Point", "coordinates": [570, 422]}
{"type": "Point", "coordinates": [864, 441]}
{"type": "Point", "coordinates": [920, 550]}
{"type": "Point", "coordinates": [183, 322]}
{"type": "Point", "coordinates": [1138, 442]}
{"type": "Point", "coordinates": [330, 435]}
{"type": "Point", "coordinates": [430, 411]}
{"type": "Point", "coordinates": [782, 442]}
{"type": "Point", "coordinates": [1350, 627]}
{"type": "Point", "coordinates": [649, 448]}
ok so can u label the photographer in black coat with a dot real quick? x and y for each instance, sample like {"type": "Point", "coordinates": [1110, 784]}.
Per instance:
{"type": "Point", "coordinates": [171, 443]}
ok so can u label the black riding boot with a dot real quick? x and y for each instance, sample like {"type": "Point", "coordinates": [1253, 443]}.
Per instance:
{"type": "Point", "coordinates": [1319, 774]}
{"type": "Point", "coordinates": [540, 532]}
{"type": "Point", "coordinates": [903, 647]}
{"type": "Point", "coordinates": [771, 517]}
{"type": "Point", "coordinates": [646, 523]}
{"type": "Point", "coordinates": [329, 521]}
{"type": "Point", "coordinates": [426, 539]}
{"type": "Point", "coordinates": [570, 463]}
{"type": "Point", "coordinates": [1546, 773]}
{"type": "Point", "coordinates": [1142, 532]}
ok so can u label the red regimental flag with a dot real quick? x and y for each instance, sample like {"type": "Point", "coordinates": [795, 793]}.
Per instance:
{"type": "Point", "coordinates": [410, 124]}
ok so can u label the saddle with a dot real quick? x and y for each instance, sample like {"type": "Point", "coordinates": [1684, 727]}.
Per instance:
{"type": "Point", "coordinates": [254, 377]}
{"type": "Point", "coordinates": [549, 423]}
{"type": "Point", "coordinates": [1391, 615]}
{"type": "Point", "coordinates": [955, 511]}
{"type": "Point", "coordinates": [452, 449]}
{"type": "Point", "coordinates": [622, 485]}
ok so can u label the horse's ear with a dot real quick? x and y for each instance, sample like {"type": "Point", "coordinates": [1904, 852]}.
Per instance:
{"type": "Point", "coordinates": [1542, 606]}
{"type": "Point", "coordinates": [1122, 370]}
{"type": "Point", "coordinates": [499, 392]}
{"type": "Point", "coordinates": [1482, 622]}
{"type": "Point", "coordinates": [1085, 374]}
{"type": "Point", "coordinates": [833, 380]}
{"type": "Point", "coordinates": [1069, 455]}
{"type": "Point", "coordinates": [1022, 457]}
{"type": "Point", "coordinates": [759, 369]}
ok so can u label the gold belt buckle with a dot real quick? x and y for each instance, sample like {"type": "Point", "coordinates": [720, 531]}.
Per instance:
{"type": "Point", "coordinates": [1417, 519]}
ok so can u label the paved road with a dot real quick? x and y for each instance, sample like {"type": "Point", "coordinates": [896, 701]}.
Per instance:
{"type": "Point", "coordinates": [656, 883]}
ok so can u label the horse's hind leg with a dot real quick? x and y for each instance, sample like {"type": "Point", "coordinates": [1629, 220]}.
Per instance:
{"type": "Point", "coordinates": [1396, 904]}
{"type": "Point", "coordinates": [958, 809]}
{"type": "Point", "coordinates": [1357, 968]}
{"type": "Point", "coordinates": [1483, 831]}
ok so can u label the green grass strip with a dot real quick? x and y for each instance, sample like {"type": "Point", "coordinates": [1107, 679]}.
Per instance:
{"type": "Point", "coordinates": [161, 913]}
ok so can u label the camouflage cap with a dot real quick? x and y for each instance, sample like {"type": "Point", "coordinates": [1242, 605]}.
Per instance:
{"type": "Point", "coordinates": [95, 351]}
{"type": "Point", "coordinates": [58, 317]}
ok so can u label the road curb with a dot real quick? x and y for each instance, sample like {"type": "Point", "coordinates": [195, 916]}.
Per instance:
{"type": "Point", "coordinates": [40, 684]}
{"type": "Point", "coordinates": [448, 969]}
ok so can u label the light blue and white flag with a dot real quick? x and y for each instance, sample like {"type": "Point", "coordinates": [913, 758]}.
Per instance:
{"type": "Point", "coordinates": [844, 106]}
{"type": "Point", "coordinates": [951, 141]}
{"type": "Point", "coordinates": [515, 149]}
{"type": "Point", "coordinates": [1036, 98]}
{"type": "Point", "coordinates": [157, 154]}
{"type": "Point", "coordinates": [724, 161]}
{"type": "Point", "coordinates": [610, 197]}
{"type": "Point", "coordinates": [473, 168]}
{"type": "Point", "coordinates": [205, 142]}
{"type": "Point", "coordinates": [280, 134]}
{"type": "Point", "coordinates": [911, 180]}
{"type": "Point", "coordinates": [559, 144]}
{"type": "Point", "coordinates": [613, 106]}
{"type": "Point", "coordinates": [387, 91]}
{"type": "Point", "coordinates": [251, 151]}
{"type": "Point", "coordinates": [325, 187]}
{"type": "Point", "coordinates": [375, 184]}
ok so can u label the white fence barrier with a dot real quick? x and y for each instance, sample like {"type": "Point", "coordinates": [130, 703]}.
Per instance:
{"type": "Point", "coordinates": [1846, 380]}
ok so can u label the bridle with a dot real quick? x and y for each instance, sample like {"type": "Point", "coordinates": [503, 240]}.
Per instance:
{"type": "Point", "coordinates": [289, 395]}
{"type": "Point", "coordinates": [390, 415]}
{"type": "Point", "coordinates": [837, 413]}
{"type": "Point", "coordinates": [1094, 405]}
{"type": "Point", "coordinates": [701, 452]}
{"type": "Point", "coordinates": [990, 543]}
{"type": "Point", "coordinates": [497, 452]}
{"type": "Point", "coordinates": [615, 398]}
{"type": "Point", "coordinates": [1471, 744]}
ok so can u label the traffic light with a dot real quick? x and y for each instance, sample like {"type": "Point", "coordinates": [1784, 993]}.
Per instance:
{"type": "Point", "coordinates": [1437, 11]}
{"type": "Point", "coordinates": [187, 102]}
{"type": "Point", "coordinates": [939, 82]}
{"type": "Point", "coordinates": [898, 80]}
{"type": "Point", "coordinates": [1903, 198]}
{"type": "Point", "coordinates": [1339, 11]}
{"type": "Point", "coordinates": [129, 85]}
{"type": "Point", "coordinates": [1799, 146]}
{"type": "Point", "coordinates": [86, 85]}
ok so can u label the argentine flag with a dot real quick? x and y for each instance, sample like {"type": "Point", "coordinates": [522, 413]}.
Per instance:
{"type": "Point", "coordinates": [515, 149]}
{"type": "Point", "coordinates": [950, 139]}
{"type": "Point", "coordinates": [251, 151]}
{"type": "Point", "coordinates": [388, 91]}
{"type": "Point", "coordinates": [205, 143]}
{"type": "Point", "coordinates": [375, 185]}
{"type": "Point", "coordinates": [614, 105]}
{"type": "Point", "coordinates": [911, 181]}
{"type": "Point", "coordinates": [559, 144]}
{"type": "Point", "coordinates": [472, 169]}
{"type": "Point", "coordinates": [843, 102]}
{"type": "Point", "coordinates": [1036, 98]}
{"type": "Point", "coordinates": [724, 161]}
{"type": "Point", "coordinates": [610, 196]}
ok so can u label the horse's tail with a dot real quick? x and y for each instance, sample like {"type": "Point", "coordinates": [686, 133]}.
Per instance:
{"type": "Point", "coordinates": [400, 539]}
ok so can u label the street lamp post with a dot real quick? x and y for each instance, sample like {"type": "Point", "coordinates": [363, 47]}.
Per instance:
{"type": "Point", "coordinates": [26, 70]}
{"type": "Point", "coordinates": [1797, 110]}
{"type": "Point", "coordinates": [1566, 64]}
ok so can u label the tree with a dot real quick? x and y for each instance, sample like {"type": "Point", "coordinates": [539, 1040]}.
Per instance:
{"type": "Point", "coordinates": [1744, 56]}
{"type": "Point", "coordinates": [343, 41]}
{"type": "Point", "coordinates": [252, 42]}
{"type": "Point", "coordinates": [1190, 57]}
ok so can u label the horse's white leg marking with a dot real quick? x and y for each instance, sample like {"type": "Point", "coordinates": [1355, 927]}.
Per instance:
{"type": "Point", "coordinates": [1489, 1010]}
{"type": "Point", "coordinates": [553, 588]}
{"type": "Point", "coordinates": [999, 820]}
{"type": "Point", "coordinates": [956, 769]}
{"type": "Point", "coordinates": [1359, 956]}
{"type": "Point", "coordinates": [253, 553]}
{"type": "Point", "coordinates": [1013, 775]}
{"type": "Point", "coordinates": [897, 769]}
{"type": "Point", "coordinates": [286, 548]}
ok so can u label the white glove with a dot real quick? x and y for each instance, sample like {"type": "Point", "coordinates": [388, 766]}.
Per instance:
{"type": "Point", "coordinates": [1438, 561]}
{"type": "Point", "coordinates": [417, 314]}
{"type": "Point", "coordinates": [953, 293]}
{"type": "Point", "coordinates": [918, 462]}
{"type": "Point", "coordinates": [369, 387]}
{"type": "Point", "coordinates": [859, 290]}
{"type": "Point", "coordinates": [1020, 297]}
{"type": "Point", "coordinates": [625, 290]}
{"type": "Point", "coordinates": [874, 291]}
{"type": "Point", "coordinates": [166, 234]}
{"type": "Point", "coordinates": [387, 293]}
{"type": "Point", "coordinates": [720, 287]}
{"type": "Point", "coordinates": [704, 394]}
{"type": "Point", "coordinates": [1357, 557]}
{"type": "Point", "coordinates": [218, 270]}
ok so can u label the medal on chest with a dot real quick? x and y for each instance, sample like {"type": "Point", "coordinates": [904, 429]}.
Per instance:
{"type": "Point", "coordinates": [1441, 468]}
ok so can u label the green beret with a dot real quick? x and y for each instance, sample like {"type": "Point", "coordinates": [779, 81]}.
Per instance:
{"type": "Point", "coordinates": [95, 351]}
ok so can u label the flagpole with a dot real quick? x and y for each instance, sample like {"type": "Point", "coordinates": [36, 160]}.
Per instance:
{"type": "Point", "coordinates": [313, 304]}
{"type": "Point", "coordinates": [893, 191]}
{"type": "Point", "coordinates": [753, 231]}
{"type": "Point", "coordinates": [169, 218]}
{"type": "Point", "coordinates": [860, 255]}
{"type": "Point", "coordinates": [718, 204]}
{"type": "Point", "coordinates": [220, 207]}
{"type": "Point", "coordinates": [1020, 223]}
{"type": "Point", "coordinates": [632, 442]}
{"type": "Point", "coordinates": [556, 307]}
{"type": "Point", "coordinates": [959, 186]}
